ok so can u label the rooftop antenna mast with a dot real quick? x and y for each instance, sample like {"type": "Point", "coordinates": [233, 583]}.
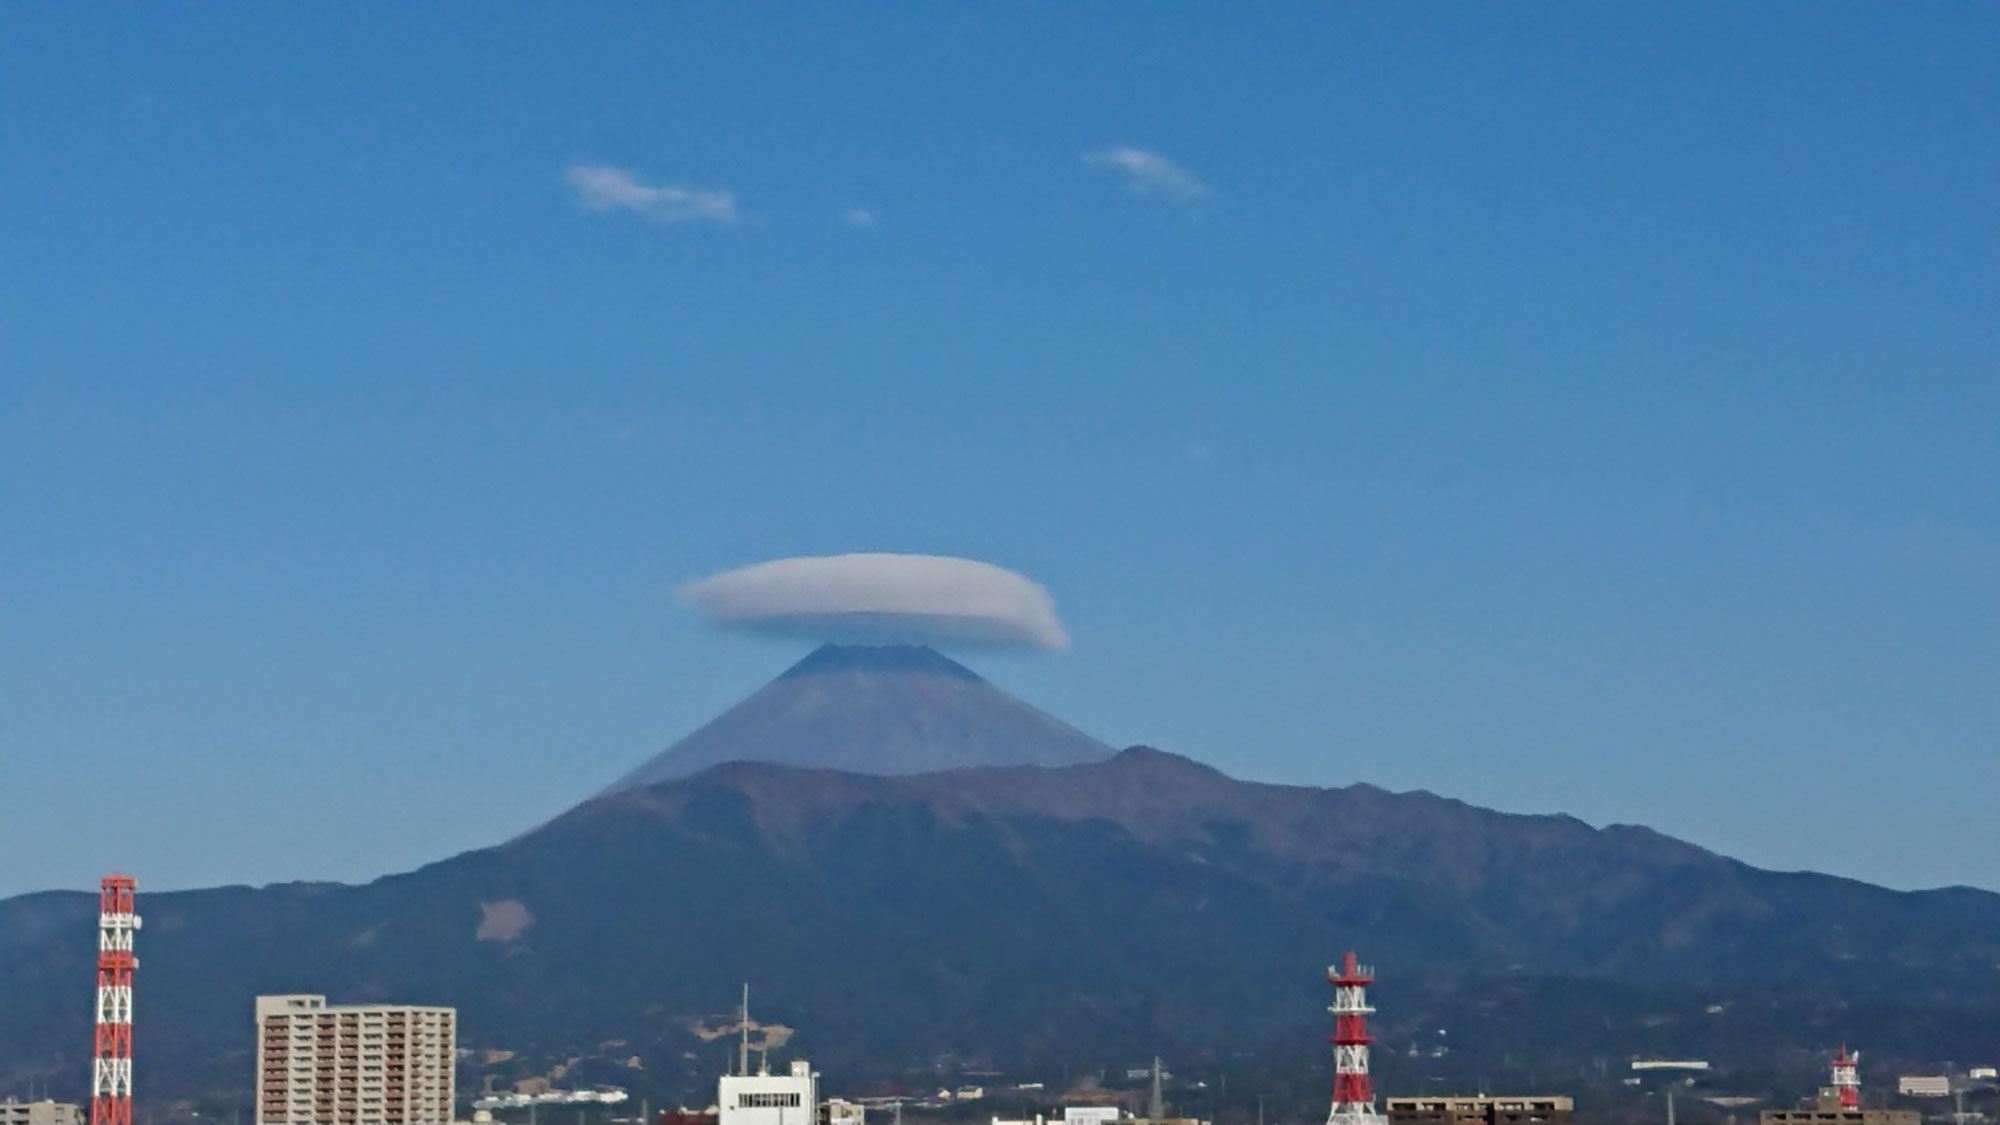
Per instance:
{"type": "Point", "coordinates": [743, 1033]}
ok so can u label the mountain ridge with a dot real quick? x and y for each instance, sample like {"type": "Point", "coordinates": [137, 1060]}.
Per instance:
{"type": "Point", "coordinates": [1036, 916]}
{"type": "Point", "coordinates": [1153, 811]}
{"type": "Point", "coordinates": [1334, 836]}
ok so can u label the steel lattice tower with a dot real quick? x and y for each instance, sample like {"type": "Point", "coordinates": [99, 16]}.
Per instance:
{"type": "Point", "coordinates": [111, 1070]}
{"type": "Point", "coordinates": [1847, 1078]}
{"type": "Point", "coordinates": [1353, 1099]}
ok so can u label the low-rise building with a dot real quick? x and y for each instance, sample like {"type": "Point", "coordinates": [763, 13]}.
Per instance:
{"type": "Point", "coordinates": [1924, 1085]}
{"type": "Point", "coordinates": [1824, 1114]}
{"type": "Point", "coordinates": [40, 1113]}
{"type": "Point", "coordinates": [1040, 1119]}
{"type": "Point", "coordinates": [1553, 1109]}
{"type": "Point", "coordinates": [791, 1098]}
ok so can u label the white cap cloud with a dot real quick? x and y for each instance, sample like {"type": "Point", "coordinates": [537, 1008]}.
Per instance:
{"type": "Point", "coordinates": [882, 599]}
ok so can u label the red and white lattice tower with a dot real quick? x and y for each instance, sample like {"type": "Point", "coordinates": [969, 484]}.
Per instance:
{"type": "Point", "coordinates": [1353, 1100]}
{"type": "Point", "coordinates": [111, 1070]}
{"type": "Point", "coordinates": [1847, 1078]}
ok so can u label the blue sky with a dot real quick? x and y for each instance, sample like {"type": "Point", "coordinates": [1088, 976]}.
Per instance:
{"type": "Point", "coordinates": [1572, 408]}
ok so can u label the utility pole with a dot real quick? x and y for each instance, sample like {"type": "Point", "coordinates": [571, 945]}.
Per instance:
{"type": "Point", "coordinates": [743, 1033]}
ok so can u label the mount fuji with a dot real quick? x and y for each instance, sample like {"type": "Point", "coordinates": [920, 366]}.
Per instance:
{"type": "Point", "coordinates": [887, 710]}
{"type": "Point", "coordinates": [931, 879]}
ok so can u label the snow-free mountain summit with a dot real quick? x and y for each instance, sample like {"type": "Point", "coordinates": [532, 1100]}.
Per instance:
{"type": "Point", "coordinates": [875, 709]}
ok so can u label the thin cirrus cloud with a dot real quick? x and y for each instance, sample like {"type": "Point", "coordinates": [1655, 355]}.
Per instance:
{"type": "Point", "coordinates": [882, 599]}
{"type": "Point", "coordinates": [860, 218]}
{"type": "Point", "coordinates": [1149, 173]}
{"type": "Point", "coordinates": [603, 188]}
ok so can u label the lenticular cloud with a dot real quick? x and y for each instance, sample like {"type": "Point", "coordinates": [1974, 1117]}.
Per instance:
{"type": "Point", "coordinates": [882, 599]}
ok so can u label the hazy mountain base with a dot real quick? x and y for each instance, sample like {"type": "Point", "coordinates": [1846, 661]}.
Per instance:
{"type": "Point", "coordinates": [1048, 923]}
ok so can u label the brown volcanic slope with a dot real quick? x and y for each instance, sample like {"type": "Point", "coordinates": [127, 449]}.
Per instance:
{"type": "Point", "coordinates": [1469, 886]}
{"type": "Point", "coordinates": [1546, 875]}
{"type": "Point", "coordinates": [875, 709]}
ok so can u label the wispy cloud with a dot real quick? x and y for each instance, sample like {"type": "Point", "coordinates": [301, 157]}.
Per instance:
{"type": "Point", "coordinates": [858, 217]}
{"type": "Point", "coordinates": [1149, 173]}
{"type": "Point", "coordinates": [602, 188]}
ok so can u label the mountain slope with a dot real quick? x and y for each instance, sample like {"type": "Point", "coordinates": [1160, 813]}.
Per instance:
{"type": "Point", "coordinates": [1026, 917]}
{"type": "Point", "coordinates": [881, 709]}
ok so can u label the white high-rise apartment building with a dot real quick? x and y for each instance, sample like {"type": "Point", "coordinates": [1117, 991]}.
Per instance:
{"type": "Point", "coordinates": [353, 1064]}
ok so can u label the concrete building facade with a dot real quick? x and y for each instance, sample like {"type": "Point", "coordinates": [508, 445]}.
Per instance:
{"type": "Point", "coordinates": [791, 1098]}
{"type": "Point", "coordinates": [353, 1064]}
{"type": "Point", "coordinates": [40, 1113]}
{"type": "Point", "coordinates": [1824, 1114]}
{"type": "Point", "coordinates": [1553, 1109]}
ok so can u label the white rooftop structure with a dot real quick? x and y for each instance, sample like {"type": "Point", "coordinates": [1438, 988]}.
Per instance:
{"type": "Point", "coordinates": [791, 1098]}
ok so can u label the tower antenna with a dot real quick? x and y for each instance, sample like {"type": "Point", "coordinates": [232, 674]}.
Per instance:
{"type": "Point", "coordinates": [111, 1058]}
{"type": "Point", "coordinates": [1847, 1078]}
{"type": "Point", "coordinates": [1353, 1098]}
